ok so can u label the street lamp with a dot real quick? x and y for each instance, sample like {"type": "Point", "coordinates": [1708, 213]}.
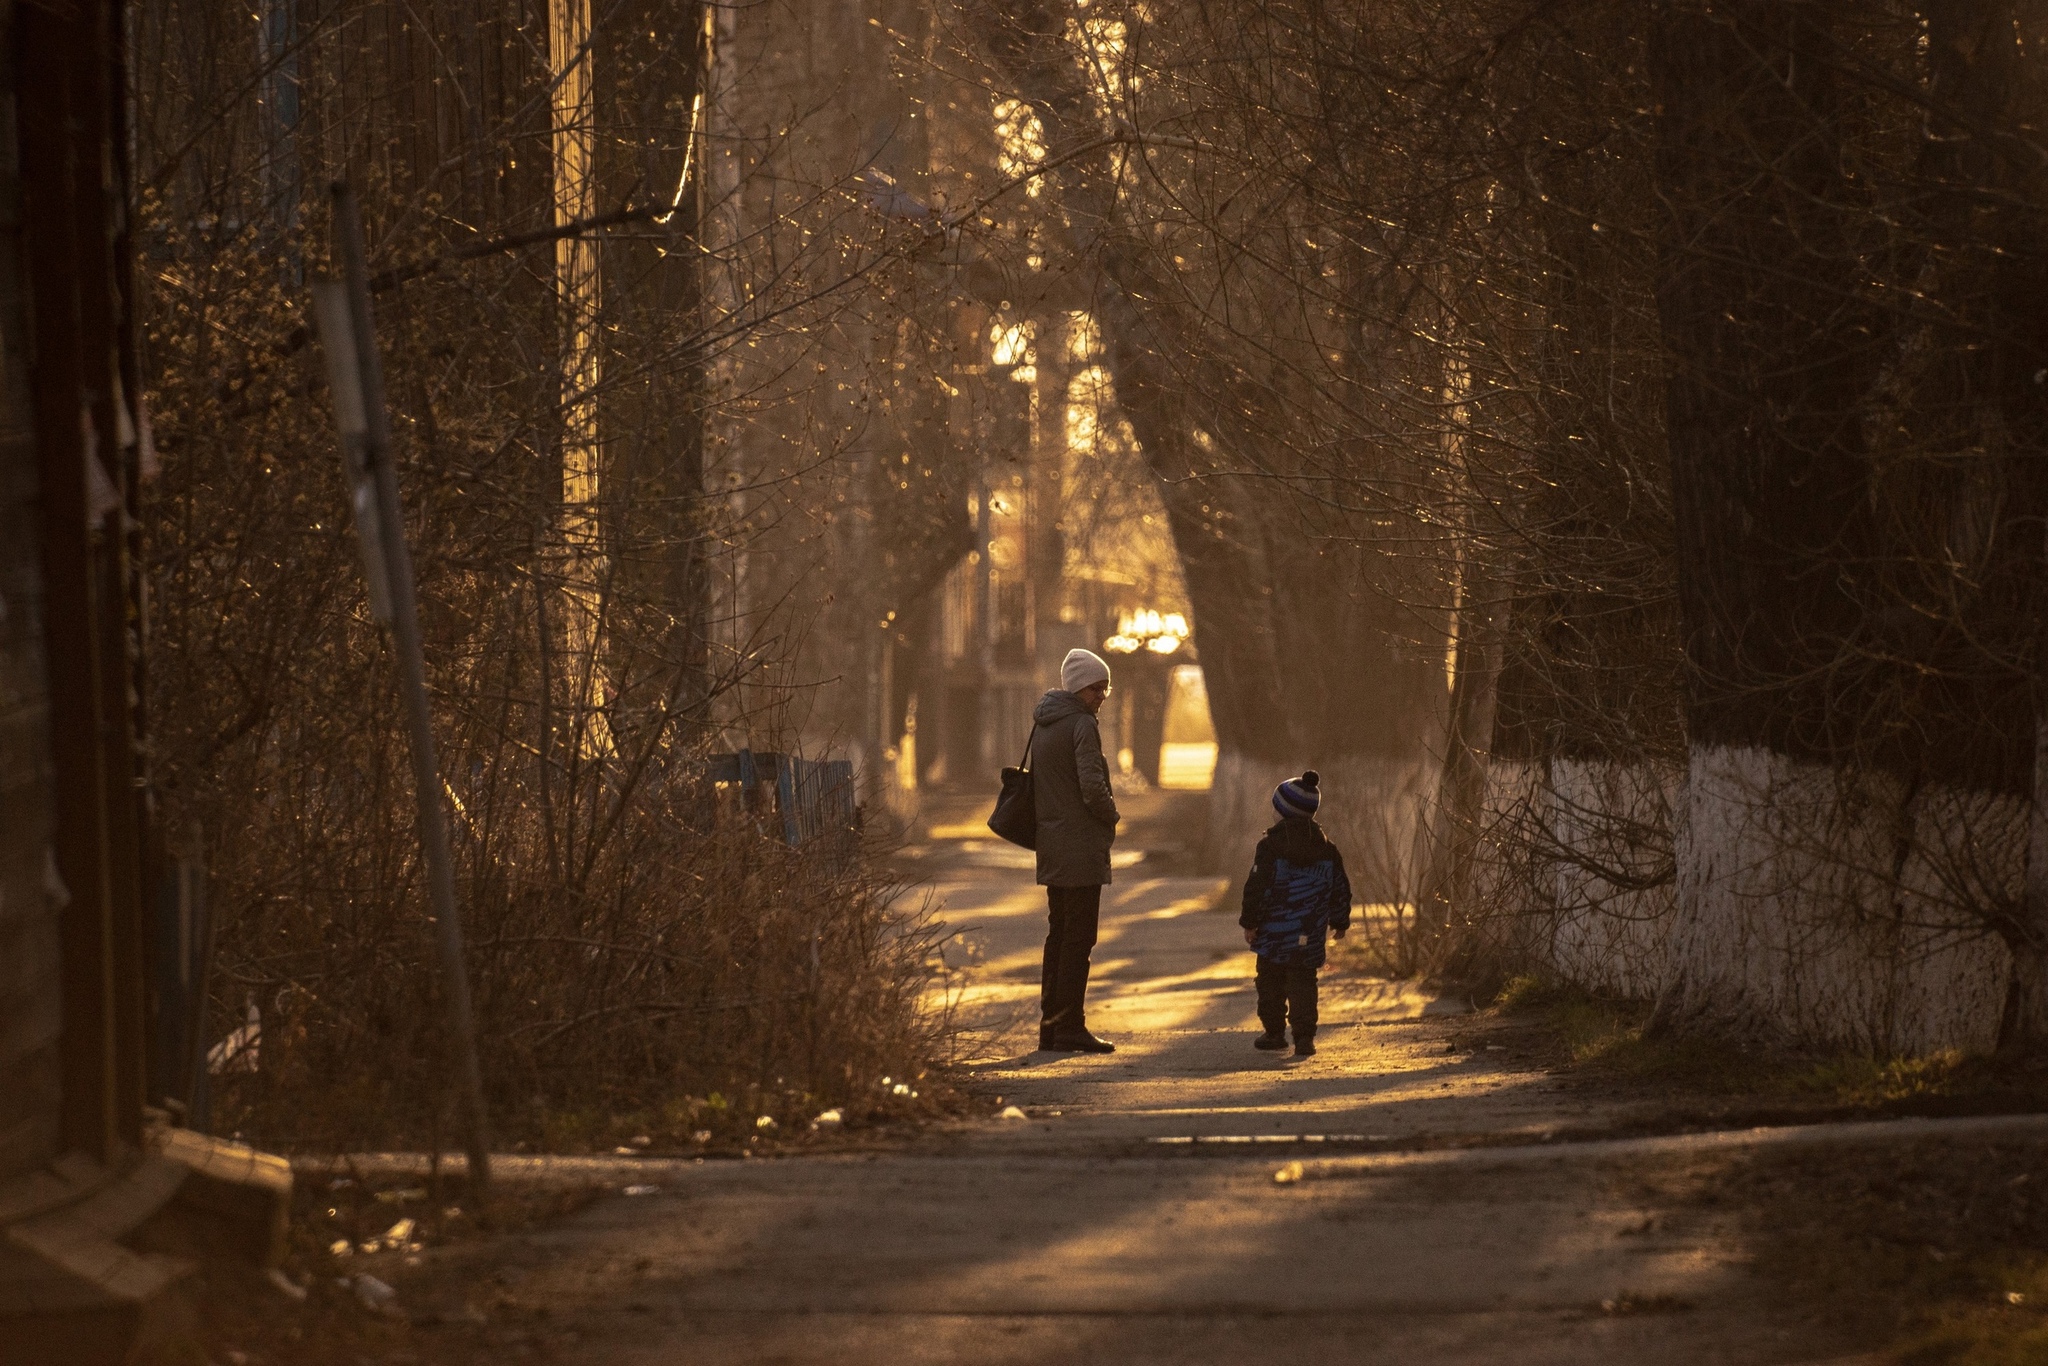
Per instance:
{"type": "Point", "coordinates": [1153, 632]}
{"type": "Point", "coordinates": [1147, 639]}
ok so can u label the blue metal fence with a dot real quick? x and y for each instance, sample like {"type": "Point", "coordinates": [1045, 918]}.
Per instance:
{"type": "Point", "coordinates": [813, 797]}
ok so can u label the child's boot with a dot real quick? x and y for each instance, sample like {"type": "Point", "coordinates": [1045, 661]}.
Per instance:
{"type": "Point", "coordinates": [1272, 1041]}
{"type": "Point", "coordinates": [1304, 1044]}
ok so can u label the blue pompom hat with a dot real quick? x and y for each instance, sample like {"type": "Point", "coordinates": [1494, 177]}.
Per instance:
{"type": "Point", "coordinates": [1299, 796]}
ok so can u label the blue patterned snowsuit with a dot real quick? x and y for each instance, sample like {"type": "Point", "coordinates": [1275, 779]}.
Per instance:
{"type": "Point", "coordinates": [1297, 893]}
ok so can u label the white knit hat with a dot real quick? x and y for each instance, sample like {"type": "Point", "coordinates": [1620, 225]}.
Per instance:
{"type": "Point", "coordinates": [1081, 668]}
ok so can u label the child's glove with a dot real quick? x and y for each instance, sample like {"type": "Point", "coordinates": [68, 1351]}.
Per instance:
{"type": "Point", "coordinates": [1250, 936]}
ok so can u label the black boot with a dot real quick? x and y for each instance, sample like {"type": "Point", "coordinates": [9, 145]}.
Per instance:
{"type": "Point", "coordinates": [1063, 991]}
{"type": "Point", "coordinates": [1080, 1041]}
{"type": "Point", "coordinates": [1272, 1041]}
{"type": "Point", "coordinates": [1304, 1045]}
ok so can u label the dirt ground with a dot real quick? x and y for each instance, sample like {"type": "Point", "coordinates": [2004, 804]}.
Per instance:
{"type": "Point", "coordinates": [1132, 1213]}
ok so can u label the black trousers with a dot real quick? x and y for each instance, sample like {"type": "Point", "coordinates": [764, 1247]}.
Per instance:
{"type": "Point", "coordinates": [1069, 939]}
{"type": "Point", "coordinates": [1287, 990]}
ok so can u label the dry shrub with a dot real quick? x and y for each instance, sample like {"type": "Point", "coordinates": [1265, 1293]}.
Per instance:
{"type": "Point", "coordinates": [697, 961]}
{"type": "Point", "coordinates": [640, 939]}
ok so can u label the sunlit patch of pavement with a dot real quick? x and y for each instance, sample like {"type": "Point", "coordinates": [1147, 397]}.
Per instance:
{"type": "Point", "coordinates": [1073, 1236]}
{"type": "Point", "coordinates": [1172, 988]}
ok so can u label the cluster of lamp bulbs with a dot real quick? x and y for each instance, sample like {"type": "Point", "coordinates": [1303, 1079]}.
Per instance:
{"type": "Point", "coordinates": [1148, 630]}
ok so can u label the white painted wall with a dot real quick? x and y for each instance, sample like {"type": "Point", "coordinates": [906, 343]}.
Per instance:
{"type": "Point", "coordinates": [1510, 899]}
{"type": "Point", "coordinates": [1838, 911]}
{"type": "Point", "coordinates": [1804, 905]}
{"type": "Point", "coordinates": [1617, 816]}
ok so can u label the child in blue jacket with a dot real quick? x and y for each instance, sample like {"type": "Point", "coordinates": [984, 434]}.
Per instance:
{"type": "Point", "coordinates": [1296, 892]}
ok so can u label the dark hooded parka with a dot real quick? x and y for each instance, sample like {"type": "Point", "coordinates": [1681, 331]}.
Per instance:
{"type": "Point", "coordinates": [1077, 813]}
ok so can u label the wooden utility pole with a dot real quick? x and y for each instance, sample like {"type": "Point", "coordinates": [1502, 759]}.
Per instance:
{"type": "Point", "coordinates": [356, 373]}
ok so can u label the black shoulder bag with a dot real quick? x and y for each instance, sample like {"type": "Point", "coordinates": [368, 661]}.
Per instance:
{"type": "Point", "coordinates": [1016, 815]}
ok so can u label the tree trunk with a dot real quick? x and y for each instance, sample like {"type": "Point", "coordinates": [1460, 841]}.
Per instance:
{"type": "Point", "coordinates": [2023, 1028]}
{"type": "Point", "coordinates": [585, 573]}
{"type": "Point", "coordinates": [1982, 70]}
{"type": "Point", "coordinates": [1835, 703]}
{"type": "Point", "coordinates": [1453, 830]}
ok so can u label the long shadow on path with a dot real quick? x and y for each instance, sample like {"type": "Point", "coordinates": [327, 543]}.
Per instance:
{"type": "Point", "coordinates": [1074, 1236]}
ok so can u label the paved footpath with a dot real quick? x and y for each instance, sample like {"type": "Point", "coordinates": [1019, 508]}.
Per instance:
{"type": "Point", "coordinates": [1135, 1215]}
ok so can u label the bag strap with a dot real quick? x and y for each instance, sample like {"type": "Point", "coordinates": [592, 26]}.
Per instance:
{"type": "Point", "coordinates": [1025, 762]}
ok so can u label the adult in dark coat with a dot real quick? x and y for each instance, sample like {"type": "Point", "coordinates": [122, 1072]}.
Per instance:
{"type": "Point", "coordinates": [1077, 820]}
